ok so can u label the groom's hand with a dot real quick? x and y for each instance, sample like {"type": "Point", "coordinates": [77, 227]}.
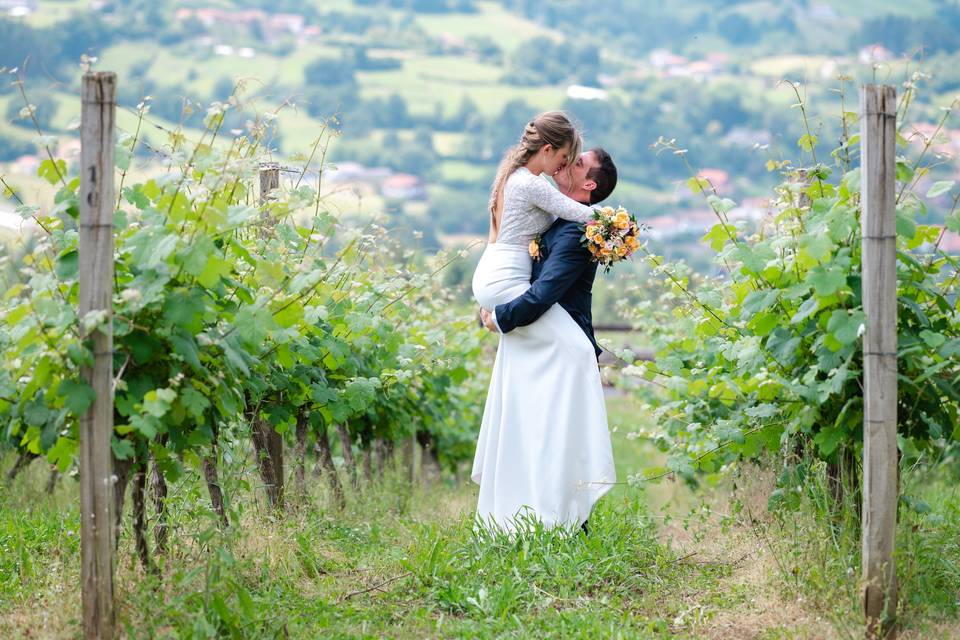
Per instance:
{"type": "Point", "coordinates": [487, 318]}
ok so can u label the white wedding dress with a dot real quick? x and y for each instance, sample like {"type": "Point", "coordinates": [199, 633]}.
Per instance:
{"type": "Point", "coordinates": [544, 446]}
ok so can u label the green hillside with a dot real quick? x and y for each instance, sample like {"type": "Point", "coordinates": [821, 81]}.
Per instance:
{"type": "Point", "coordinates": [439, 88]}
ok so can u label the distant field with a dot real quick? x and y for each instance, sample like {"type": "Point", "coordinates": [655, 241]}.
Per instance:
{"type": "Point", "coordinates": [870, 8]}
{"type": "Point", "coordinates": [456, 170]}
{"type": "Point", "coordinates": [53, 11]}
{"type": "Point", "coordinates": [492, 21]}
{"type": "Point", "coordinates": [780, 66]}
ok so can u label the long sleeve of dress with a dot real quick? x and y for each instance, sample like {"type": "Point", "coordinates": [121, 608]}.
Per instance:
{"type": "Point", "coordinates": [545, 197]}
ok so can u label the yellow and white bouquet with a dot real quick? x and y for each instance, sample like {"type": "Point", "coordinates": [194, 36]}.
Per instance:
{"type": "Point", "coordinates": [612, 235]}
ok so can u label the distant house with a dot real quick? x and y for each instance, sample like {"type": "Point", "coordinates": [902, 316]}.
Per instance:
{"type": "Point", "coordinates": [943, 140]}
{"type": "Point", "coordinates": [18, 8]}
{"type": "Point", "coordinates": [25, 165]}
{"type": "Point", "coordinates": [356, 172]}
{"type": "Point", "coordinates": [670, 65]}
{"type": "Point", "coordinates": [950, 243]}
{"type": "Point", "coordinates": [10, 219]}
{"type": "Point", "coordinates": [696, 221]}
{"type": "Point", "coordinates": [403, 186]}
{"type": "Point", "coordinates": [700, 69]}
{"type": "Point", "coordinates": [874, 53]}
{"type": "Point", "coordinates": [581, 92]}
{"type": "Point", "coordinates": [752, 209]}
{"type": "Point", "coordinates": [823, 12]}
{"type": "Point", "coordinates": [271, 24]}
{"type": "Point", "coordinates": [746, 137]}
{"type": "Point", "coordinates": [717, 177]}
{"type": "Point", "coordinates": [662, 59]}
{"type": "Point", "coordinates": [718, 59]}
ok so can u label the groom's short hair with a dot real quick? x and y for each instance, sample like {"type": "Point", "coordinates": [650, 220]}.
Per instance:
{"type": "Point", "coordinates": [605, 175]}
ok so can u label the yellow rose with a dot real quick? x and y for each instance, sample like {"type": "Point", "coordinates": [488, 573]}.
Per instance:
{"type": "Point", "coordinates": [621, 252]}
{"type": "Point", "coordinates": [534, 249]}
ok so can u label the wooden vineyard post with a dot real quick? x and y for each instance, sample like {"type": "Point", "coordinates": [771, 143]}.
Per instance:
{"type": "Point", "coordinates": [269, 179]}
{"type": "Point", "coordinates": [267, 442]}
{"type": "Point", "coordinates": [880, 485]}
{"type": "Point", "coordinates": [97, 198]}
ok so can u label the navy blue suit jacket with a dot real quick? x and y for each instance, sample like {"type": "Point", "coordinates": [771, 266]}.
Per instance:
{"type": "Point", "coordinates": [564, 275]}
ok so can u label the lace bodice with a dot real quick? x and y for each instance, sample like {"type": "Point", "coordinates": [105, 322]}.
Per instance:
{"type": "Point", "coordinates": [531, 205]}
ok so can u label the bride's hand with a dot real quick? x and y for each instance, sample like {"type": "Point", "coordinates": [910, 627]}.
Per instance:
{"type": "Point", "coordinates": [486, 318]}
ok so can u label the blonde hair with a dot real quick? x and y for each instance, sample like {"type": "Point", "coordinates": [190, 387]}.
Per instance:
{"type": "Point", "coordinates": [552, 128]}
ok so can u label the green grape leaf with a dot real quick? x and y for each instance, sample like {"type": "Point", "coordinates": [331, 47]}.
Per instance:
{"type": "Point", "coordinates": [156, 402]}
{"type": "Point", "coordinates": [953, 222]}
{"type": "Point", "coordinates": [807, 142]}
{"type": "Point", "coordinates": [940, 188]}
{"type": "Point", "coordinates": [194, 402]}
{"type": "Point", "coordinates": [62, 453]}
{"type": "Point", "coordinates": [934, 340]}
{"type": "Point", "coordinates": [122, 448]}
{"type": "Point", "coordinates": [846, 327]}
{"type": "Point", "coordinates": [828, 439]}
{"type": "Point", "coordinates": [827, 280]}
{"type": "Point", "coordinates": [52, 171]}
{"type": "Point", "coordinates": [718, 236]}
{"type": "Point", "coordinates": [77, 394]}
{"type": "Point", "coordinates": [698, 184]}
{"type": "Point", "coordinates": [809, 307]}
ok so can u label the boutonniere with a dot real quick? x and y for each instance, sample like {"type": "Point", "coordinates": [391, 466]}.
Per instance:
{"type": "Point", "coordinates": [536, 249]}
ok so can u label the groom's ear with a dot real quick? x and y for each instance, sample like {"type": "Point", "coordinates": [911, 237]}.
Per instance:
{"type": "Point", "coordinates": [589, 185]}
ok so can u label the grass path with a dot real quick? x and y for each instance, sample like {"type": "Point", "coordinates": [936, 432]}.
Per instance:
{"type": "Point", "coordinates": [402, 562]}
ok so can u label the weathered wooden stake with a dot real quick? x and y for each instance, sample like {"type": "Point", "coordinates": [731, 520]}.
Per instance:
{"type": "Point", "coordinates": [878, 107]}
{"type": "Point", "coordinates": [97, 198]}
{"type": "Point", "coordinates": [269, 179]}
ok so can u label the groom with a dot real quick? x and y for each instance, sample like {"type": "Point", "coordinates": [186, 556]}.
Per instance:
{"type": "Point", "coordinates": [565, 275]}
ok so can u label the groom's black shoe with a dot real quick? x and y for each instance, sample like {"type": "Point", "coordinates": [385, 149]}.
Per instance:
{"type": "Point", "coordinates": [584, 528]}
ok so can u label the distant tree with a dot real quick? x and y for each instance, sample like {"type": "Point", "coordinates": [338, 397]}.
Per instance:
{"type": "Point", "coordinates": [328, 100]}
{"type": "Point", "coordinates": [12, 148]}
{"type": "Point", "coordinates": [349, 22]}
{"type": "Point", "coordinates": [724, 103]}
{"type": "Point", "coordinates": [903, 33]}
{"type": "Point", "coordinates": [467, 116]}
{"type": "Point", "coordinates": [541, 60]}
{"type": "Point", "coordinates": [20, 41]}
{"type": "Point", "coordinates": [486, 49]}
{"type": "Point", "coordinates": [363, 62]}
{"type": "Point", "coordinates": [396, 112]}
{"type": "Point", "coordinates": [223, 88]}
{"type": "Point", "coordinates": [331, 86]}
{"type": "Point", "coordinates": [737, 28]}
{"type": "Point", "coordinates": [461, 210]}
{"type": "Point", "coordinates": [45, 107]}
{"type": "Point", "coordinates": [423, 137]}
{"type": "Point", "coordinates": [84, 33]}
{"type": "Point", "coordinates": [412, 158]}
{"type": "Point", "coordinates": [330, 71]}
{"type": "Point", "coordinates": [390, 142]}
{"type": "Point", "coordinates": [596, 116]}
{"type": "Point", "coordinates": [503, 131]}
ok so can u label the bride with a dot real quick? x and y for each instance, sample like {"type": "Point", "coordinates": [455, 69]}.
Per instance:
{"type": "Point", "coordinates": [544, 448]}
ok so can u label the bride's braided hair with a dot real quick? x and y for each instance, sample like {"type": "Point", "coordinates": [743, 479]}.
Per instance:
{"type": "Point", "coordinates": [549, 128]}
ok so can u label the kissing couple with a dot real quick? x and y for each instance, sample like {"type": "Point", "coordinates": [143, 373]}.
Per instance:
{"type": "Point", "coordinates": [544, 447]}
